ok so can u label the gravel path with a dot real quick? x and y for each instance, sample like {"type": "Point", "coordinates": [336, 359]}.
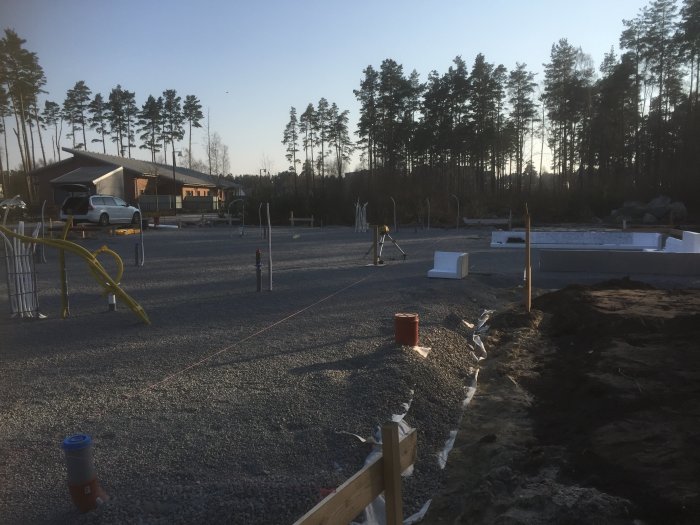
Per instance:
{"type": "Point", "coordinates": [232, 406]}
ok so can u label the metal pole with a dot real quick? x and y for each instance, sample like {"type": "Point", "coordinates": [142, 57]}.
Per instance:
{"type": "Point", "coordinates": [142, 257]}
{"type": "Point", "coordinates": [262, 236]}
{"type": "Point", "coordinates": [174, 181]}
{"type": "Point", "coordinates": [394, 203]}
{"type": "Point", "coordinates": [43, 234]}
{"type": "Point", "coordinates": [428, 202]}
{"type": "Point", "coordinates": [457, 199]}
{"type": "Point", "coordinates": [228, 210]}
{"type": "Point", "coordinates": [258, 270]}
{"type": "Point", "coordinates": [375, 238]}
{"type": "Point", "coordinates": [269, 248]}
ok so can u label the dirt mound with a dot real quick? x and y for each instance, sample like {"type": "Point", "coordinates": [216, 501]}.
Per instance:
{"type": "Point", "coordinates": [587, 412]}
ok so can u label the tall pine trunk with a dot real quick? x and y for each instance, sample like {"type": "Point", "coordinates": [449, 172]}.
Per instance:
{"type": "Point", "coordinates": [38, 130]}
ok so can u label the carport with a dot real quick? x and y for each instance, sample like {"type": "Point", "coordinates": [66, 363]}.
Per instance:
{"type": "Point", "coordinates": [107, 180]}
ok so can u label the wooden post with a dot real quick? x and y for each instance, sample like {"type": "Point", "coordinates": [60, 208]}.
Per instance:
{"type": "Point", "coordinates": [528, 266]}
{"type": "Point", "coordinates": [65, 304]}
{"type": "Point", "coordinates": [392, 473]}
{"type": "Point", "coordinates": [348, 500]}
{"type": "Point", "coordinates": [375, 240]}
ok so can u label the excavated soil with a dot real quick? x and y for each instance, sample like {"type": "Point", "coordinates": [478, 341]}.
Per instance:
{"type": "Point", "coordinates": [587, 412]}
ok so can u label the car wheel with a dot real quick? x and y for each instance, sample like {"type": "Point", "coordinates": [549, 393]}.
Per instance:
{"type": "Point", "coordinates": [136, 218]}
{"type": "Point", "coordinates": [104, 220]}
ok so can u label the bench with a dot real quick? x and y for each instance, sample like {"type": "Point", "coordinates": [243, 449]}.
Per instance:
{"type": "Point", "coordinates": [293, 219]}
{"type": "Point", "coordinates": [450, 265]}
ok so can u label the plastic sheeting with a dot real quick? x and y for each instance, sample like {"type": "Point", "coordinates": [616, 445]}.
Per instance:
{"type": "Point", "coordinates": [375, 513]}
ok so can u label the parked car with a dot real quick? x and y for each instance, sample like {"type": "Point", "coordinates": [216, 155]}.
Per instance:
{"type": "Point", "coordinates": [101, 209]}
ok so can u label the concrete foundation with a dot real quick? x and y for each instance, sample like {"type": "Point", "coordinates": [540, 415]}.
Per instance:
{"type": "Point", "coordinates": [620, 262]}
{"type": "Point", "coordinates": [586, 240]}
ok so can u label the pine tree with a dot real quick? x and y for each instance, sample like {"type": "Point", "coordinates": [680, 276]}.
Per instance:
{"type": "Point", "coordinates": [150, 125]}
{"type": "Point", "coordinates": [521, 88]}
{"type": "Point", "coordinates": [98, 119]}
{"type": "Point", "coordinates": [23, 78]}
{"type": "Point", "coordinates": [76, 105]}
{"type": "Point", "coordinates": [4, 112]}
{"type": "Point", "coordinates": [131, 111]}
{"type": "Point", "coordinates": [689, 38]}
{"type": "Point", "coordinates": [173, 118]}
{"type": "Point", "coordinates": [568, 79]}
{"type": "Point", "coordinates": [322, 124]}
{"type": "Point", "coordinates": [307, 125]}
{"type": "Point", "coordinates": [116, 116]}
{"type": "Point", "coordinates": [338, 138]}
{"type": "Point", "coordinates": [290, 139]}
{"type": "Point", "coordinates": [192, 112]}
{"type": "Point", "coordinates": [368, 125]}
{"type": "Point", "coordinates": [52, 116]}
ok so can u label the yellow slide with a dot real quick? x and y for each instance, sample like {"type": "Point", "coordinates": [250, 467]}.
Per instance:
{"type": "Point", "coordinates": [101, 276]}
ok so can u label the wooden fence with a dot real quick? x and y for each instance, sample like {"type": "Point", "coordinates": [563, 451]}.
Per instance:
{"type": "Point", "coordinates": [381, 475]}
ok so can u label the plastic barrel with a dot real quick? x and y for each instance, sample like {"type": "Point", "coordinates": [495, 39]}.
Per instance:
{"type": "Point", "coordinates": [83, 486]}
{"type": "Point", "coordinates": [406, 329]}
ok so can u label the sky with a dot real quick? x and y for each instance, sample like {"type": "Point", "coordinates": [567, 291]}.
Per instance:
{"type": "Point", "coordinates": [249, 61]}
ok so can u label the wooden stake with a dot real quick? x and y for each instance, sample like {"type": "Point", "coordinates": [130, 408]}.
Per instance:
{"type": "Point", "coordinates": [392, 473]}
{"type": "Point", "coordinates": [528, 266]}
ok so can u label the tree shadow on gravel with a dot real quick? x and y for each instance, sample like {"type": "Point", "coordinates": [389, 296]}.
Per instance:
{"type": "Point", "coordinates": [372, 361]}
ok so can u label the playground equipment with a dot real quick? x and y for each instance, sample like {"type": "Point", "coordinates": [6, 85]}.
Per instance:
{"type": "Point", "coordinates": [108, 284]}
{"type": "Point", "coordinates": [21, 275]}
{"type": "Point", "coordinates": [360, 217]}
{"type": "Point", "coordinates": [382, 232]}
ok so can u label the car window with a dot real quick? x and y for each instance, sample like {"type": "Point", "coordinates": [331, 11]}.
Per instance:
{"type": "Point", "coordinates": [119, 201]}
{"type": "Point", "coordinates": [109, 201]}
{"type": "Point", "coordinates": [97, 201]}
{"type": "Point", "coordinates": [75, 205]}
{"type": "Point", "coordinates": [73, 202]}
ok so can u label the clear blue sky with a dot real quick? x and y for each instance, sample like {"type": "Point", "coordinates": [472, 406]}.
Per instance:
{"type": "Point", "coordinates": [249, 61]}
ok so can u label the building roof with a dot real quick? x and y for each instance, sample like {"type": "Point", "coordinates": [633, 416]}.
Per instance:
{"type": "Point", "coordinates": [145, 168]}
{"type": "Point", "coordinates": [86, 174]}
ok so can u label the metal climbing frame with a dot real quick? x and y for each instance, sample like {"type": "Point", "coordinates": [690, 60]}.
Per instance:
{"type": "Point", "coordinates": [21, 276]}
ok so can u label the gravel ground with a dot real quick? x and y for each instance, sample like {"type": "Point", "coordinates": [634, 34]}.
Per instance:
{"type": "Point", "coordinates": [234, 406]}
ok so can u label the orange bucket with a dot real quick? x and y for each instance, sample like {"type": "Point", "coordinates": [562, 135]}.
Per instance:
{"type": "Point", "coordinates": [87, 496]}
{"type": "Point", "coordinates": [406, 329]}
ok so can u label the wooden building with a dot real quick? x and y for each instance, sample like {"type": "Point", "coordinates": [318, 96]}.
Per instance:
{"type": "Point", "coordinates": [131, 179]}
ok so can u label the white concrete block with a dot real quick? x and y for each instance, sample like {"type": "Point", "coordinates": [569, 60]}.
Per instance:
{"type": "Point", "coordinates": [450, 265]}
{"type": "Point", "coordinates": [691, 242]}
{"type": "Point", "coordinates": [673, 245]}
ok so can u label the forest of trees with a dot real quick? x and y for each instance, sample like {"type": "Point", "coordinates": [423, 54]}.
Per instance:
{"type": "Point", "coordinates": [576, 142]}
{"type": "Point", "coordinates": [631, 131]}
{"type": "Point", "coordinates": [160, 123]}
